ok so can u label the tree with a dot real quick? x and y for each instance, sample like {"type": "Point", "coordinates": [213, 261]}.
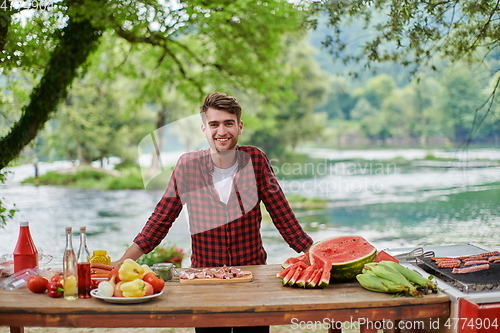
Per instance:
{"type": "Point", "coordinates": [417, 34]}
{"type": "Point", "coordinates": [231, 35]}
{"type": "Point", "coordinates": [281, 125]}
{"type": "Point", "coordinates": [239, 40]}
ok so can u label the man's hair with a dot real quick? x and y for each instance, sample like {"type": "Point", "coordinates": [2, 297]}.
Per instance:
{"type": "Point", "coordinates": [223, 102]}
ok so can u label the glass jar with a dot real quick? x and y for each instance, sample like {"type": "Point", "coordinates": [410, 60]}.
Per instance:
{"type": "Point", "coordinates": [163, 270]}
{"type": "Point", "coordinates": [100, 257]}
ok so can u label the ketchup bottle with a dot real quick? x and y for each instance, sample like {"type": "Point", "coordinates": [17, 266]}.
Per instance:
{"type": "Point", "coordinates": [25, 252]}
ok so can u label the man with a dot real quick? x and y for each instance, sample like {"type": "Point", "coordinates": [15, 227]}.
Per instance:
{"type": "Point", "coordinates": [222, 187]}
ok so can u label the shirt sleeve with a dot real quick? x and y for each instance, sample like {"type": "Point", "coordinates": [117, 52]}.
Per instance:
{"type": "Point", "coordinates": [279, 209]}
{"type": "Point", "coordinates": [165, 213]}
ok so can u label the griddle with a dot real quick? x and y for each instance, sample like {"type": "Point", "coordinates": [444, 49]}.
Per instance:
{"type": "Point", "coordinates": [488, 279]}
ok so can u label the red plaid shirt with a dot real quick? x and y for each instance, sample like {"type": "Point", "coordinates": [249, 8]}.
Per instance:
{"type": "Point", "coordinates": [224, 234]}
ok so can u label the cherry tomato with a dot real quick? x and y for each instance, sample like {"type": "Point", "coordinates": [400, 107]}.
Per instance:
{"type": "Point", "coordinates": [55, 289]}
{"type": "Point", "coordinates": [37, 284]}
{"type": "Point", "coordinates": [157, 282]}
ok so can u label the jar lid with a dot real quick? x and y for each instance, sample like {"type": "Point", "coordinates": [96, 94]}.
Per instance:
{"type": "Point", "coordinates": [100, 252]}
{"type": "Point", "coordinates": [163, 264]}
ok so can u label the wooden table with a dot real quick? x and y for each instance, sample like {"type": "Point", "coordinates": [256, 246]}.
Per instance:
{"type": "Point", "coordinates": [264, 301]}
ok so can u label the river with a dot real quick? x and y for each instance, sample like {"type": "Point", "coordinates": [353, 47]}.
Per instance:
{"type": "Point", "coordinates": [368, 194]}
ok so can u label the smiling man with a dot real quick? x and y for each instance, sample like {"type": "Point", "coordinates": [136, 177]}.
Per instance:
{"type": "Point", "coordinates": [222, 188]}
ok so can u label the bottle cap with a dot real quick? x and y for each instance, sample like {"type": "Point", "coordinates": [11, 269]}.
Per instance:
{"type": "Point", "coordinates": [68, 230]}
{"type": "Point", "coordinates": [24, 223]}
{"type": "Point", "coordinates": [83, 229]}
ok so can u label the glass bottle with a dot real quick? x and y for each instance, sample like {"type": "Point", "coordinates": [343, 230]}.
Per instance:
{"type": "Point", "coordinates": [25, 252]}
{"type": "Point", "coordinates": [70, 269]}
{"type": "Point", "coordinates": [100, 257]}
{"type": "Point", "coordinates": [83, 266]}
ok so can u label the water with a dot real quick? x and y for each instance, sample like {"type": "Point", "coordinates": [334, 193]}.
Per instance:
{"type": "Point", "coordinates": [390, 205]}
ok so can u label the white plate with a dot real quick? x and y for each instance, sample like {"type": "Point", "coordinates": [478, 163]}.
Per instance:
{"type": "Point", "coordinates": [124, 300]}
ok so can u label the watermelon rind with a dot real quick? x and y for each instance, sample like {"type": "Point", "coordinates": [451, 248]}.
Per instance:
{"type": "Point", "coordinates": [343, 269]}
{"type": "Point", "coordinates": [325, 277]}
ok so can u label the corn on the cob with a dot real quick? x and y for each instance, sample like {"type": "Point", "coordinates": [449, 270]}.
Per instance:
{"type": "Point", "coordinates": [371, 282]}
{"type": "Point", "coordinates": [411, 275]}
{"type": "Point", "coordinates": [394, 276]}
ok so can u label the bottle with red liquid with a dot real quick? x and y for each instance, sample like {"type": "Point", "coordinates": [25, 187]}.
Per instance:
{"type": "Point", "coordinates": [25, 252]}
{"type": "Point", "coordinates": [84, 275]}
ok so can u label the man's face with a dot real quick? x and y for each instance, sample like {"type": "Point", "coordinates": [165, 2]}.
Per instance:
{"type": "Point", "coordinates": [221, 129]}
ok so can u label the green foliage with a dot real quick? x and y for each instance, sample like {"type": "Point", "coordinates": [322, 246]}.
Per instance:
{"type": "Point", "coordinates": [412, 32]}
{"type": "Point", "coordinates": [91, 178]}
{"type": "Point", "coordinates": [5, 213]}
{"type": "Point", "coordinates": [167, 253]}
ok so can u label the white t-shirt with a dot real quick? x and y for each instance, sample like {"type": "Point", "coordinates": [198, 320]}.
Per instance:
{"type": "Point", "coordinates": [223, 181]}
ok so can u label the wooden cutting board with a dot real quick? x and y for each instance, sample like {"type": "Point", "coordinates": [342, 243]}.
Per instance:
{"type": "Point", "coordinates": [248, 277]}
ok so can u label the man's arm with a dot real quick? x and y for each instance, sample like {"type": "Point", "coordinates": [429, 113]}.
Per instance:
{"type": "Point", "coordinates": [134, 252]}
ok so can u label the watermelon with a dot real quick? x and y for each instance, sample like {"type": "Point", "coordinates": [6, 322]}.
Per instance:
{"type": "Point", "coordinates": [281, 274]}
{"type": "Point", "coordinates": [293, 260]}
{"type": "Point", "coordinates": [306, 276]}
{"type": "Point", "coordinates": [297, 272]}
{"type": "Point", "coordinates": [345, 254]}
{"type": "Point", "coordinates": [288, 275]}
{"type": "Point", "coordinates": [325, 276]}
{"type": "Point", "coordinates": [314, 281]}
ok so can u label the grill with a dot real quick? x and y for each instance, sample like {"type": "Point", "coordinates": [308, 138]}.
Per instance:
{"type": "Point", "coordinates": [468, 283]}
{"type": "Point", "coordinates": [474, 296]}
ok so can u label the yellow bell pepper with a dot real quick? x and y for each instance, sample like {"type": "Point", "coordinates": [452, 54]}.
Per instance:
{"type": "Point", "coordinates": [135, 288]}
{"type": "Point", "coordinates": [147, 270]}
{"type": "Point", "coordinates": [130, 270]}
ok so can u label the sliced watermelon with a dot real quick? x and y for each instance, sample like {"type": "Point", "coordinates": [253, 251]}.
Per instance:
{"type": "Point", "coordinates": [345, 254]}
{"type": "Point", "coordinates": [305, 276]}
{"type": "Point", "coordinates": [293, 260]}
{"type": "Point", "coordinates": [292, 271]}
{"type": "Point", "coordinates": [281, 274]}
{"type": "Point", "coordinates": [289, 275]}
{"type": "Point", "coordinates": [315, 278]}
{"type": "Point", "coordinates": [325, 276]}
{"type": "Point", "coordinates": [384, 256]}
{"type": "Point", "coordinates": [295, 277]}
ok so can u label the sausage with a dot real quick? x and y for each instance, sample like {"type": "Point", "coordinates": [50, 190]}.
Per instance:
{"type": "Point", "coordinates": [475, 262]}
{"type": "Point", "coordinates": [470, 269]}
{"type": "Point", "coordinates": [448, 264]}
{"type": "Point", "coordinates": [101, 266]}
{"type": "Point", "coordinates": [99, 271]}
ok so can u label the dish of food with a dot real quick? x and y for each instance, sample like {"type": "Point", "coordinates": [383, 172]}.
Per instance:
{"type": "Point", "coordinates": [124, 300]}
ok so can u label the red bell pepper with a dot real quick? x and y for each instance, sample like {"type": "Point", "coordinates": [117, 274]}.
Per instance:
{"type": "Point", "coordinates": [55, 289]}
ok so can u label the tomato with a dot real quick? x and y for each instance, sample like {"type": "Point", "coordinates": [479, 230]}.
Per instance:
{"type": "Point", "coordinates": [57, 278]}
{"type": "Point", "coordinates": [37, 284]}
{"type": "Point", "coordinates": [149, 289]}
{"type": "Point", "coordinates": [157, 282]}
